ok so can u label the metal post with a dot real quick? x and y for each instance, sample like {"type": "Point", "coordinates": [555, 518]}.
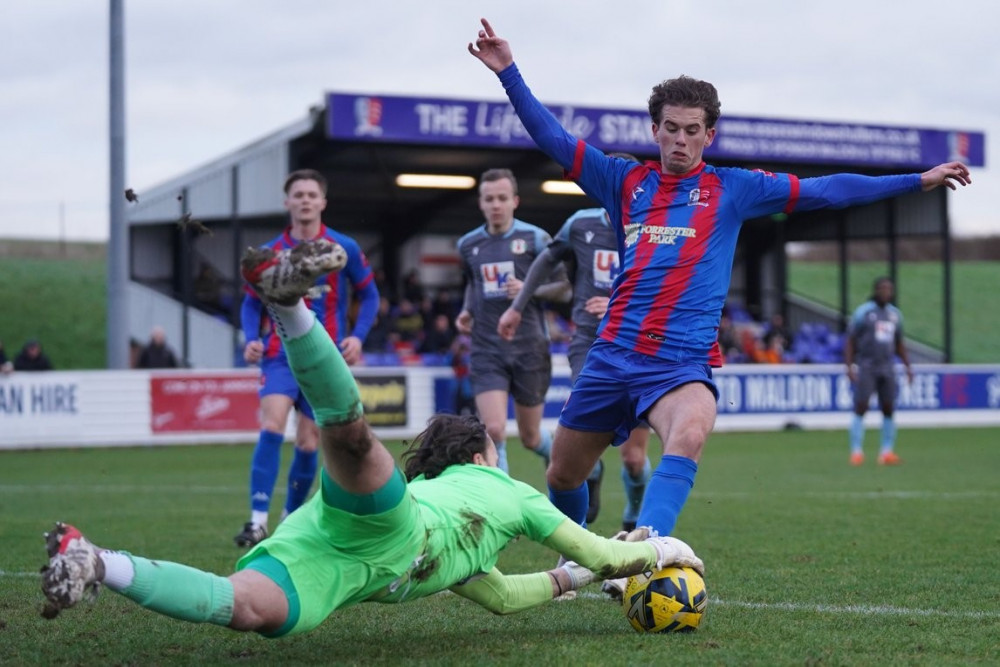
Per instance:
{"type": "Point", "coordinates": [117, 313]}
{"type": "Point", "coordinates": [946, 260]}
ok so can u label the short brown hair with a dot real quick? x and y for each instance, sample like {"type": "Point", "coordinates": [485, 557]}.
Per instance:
{"type": "Point", "coordinates": [498, 175]}
{"type": "Point", "coordinates": [305, 175]}
{"type": "Point", "coordinates": [688, 92]}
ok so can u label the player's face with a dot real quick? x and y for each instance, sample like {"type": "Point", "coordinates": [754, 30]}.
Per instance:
{"type": "Point", "coordinates": [884, 292]}
{"type": "Point", "coordinates": [489, 457]}
{"type": "Point", "coordinates": [682, 137]}
{"type": "Point", "coordinates": [305, 201]}
{"type": "Point", "coordinates": [498, 202]}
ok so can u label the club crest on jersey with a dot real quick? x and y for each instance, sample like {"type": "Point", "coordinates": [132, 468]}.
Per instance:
{"type": "Point", "coordinates": [699, 197]}
{"type": "Point", "coordinates": [605, 268]}
{"type": "Point", "coordinates": [518, 246]}
{"type": "Point", "coordinates": [495, 276]}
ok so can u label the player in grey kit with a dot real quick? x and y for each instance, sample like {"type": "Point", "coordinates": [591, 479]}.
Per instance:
{"type": "Point", "coordinates": [495, 259]}
{"type": "Point", "coordinates": [873, 341]}
{"type": "Point", "coordinates": [587, 242]}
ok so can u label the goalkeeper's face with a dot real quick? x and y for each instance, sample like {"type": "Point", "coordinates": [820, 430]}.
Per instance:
{"type": "Point", "coordinates": [489, 457]}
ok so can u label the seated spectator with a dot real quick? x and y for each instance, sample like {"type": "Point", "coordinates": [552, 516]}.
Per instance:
{"type": "Point", "coordinates": [769, 349]}
{"type": "Point", "coordinates": [413, 291]}
{"type": "Point", "coordinates": [5, 365]}
{"type": "Point", "coordinates": [465, 399]}
{"type": "Point", "coordinates": [439, 338]}
{"type": "Point", "coordinates": [378, 338]}
{"type": "Point", "coordinates": [729, 341]}
{"type": "Point", "coordinates": [157, 354]}
{"type": "Point", "coordinates": [408, 322]}
{"type": "Point", "coordinates": [776, 326]}
{"type": "Point", "coordinates": [31, 358]}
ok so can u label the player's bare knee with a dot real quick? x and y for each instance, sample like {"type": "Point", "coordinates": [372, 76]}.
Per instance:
{"type": "Point", "coordinates": [561, 479]}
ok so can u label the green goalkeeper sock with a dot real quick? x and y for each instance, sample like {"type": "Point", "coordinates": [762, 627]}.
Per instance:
{"type": "Point", "coordinates": [180, 591]}
{"type": "Point", "coordinates": [324, 377]}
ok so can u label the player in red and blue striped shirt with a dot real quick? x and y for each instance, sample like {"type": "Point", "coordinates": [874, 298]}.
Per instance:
{"type": "Point", "coordinates": [679, 220]}
{"type": "Point", "coordinates": [305, 199]}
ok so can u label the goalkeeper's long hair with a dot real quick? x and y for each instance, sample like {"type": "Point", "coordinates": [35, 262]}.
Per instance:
{"type": "Point", "coordinates": [448, 440]}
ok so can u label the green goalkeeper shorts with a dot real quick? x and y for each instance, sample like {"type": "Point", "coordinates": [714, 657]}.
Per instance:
{"type": "Point", "coordinates": [326, 558]}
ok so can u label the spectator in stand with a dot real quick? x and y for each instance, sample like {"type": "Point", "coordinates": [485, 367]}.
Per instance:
{"type": "Point", "coordinates": [465, 399]}
{"type": "Point", "coordinates": [769, 349]}
{"type": "Point", "coordinates": [31, 358]}
{"type": "Point", "coordinates": [446, 304]}
{"type": "Point", "coordinates": [380, 335]}
{"type": "Point", "coordinates": [5, 365]}
{"type": "Point", "coordinates": [413, 291]}
{"type": "Point", "coordinates": [776, 327]}
{"type": "Point", "coordinates": [408, 322]}
{"type": "Point", "coordinates": [439, 337]}
{"type": "Point", "coordinates": [157, 354]}
{"type": "Point", "coordinates": [729, 340]}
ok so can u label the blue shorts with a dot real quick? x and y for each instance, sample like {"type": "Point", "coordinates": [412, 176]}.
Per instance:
{"type": "Point", "coordinates": [617, 387]}
{"type": "Point", "coordinates": [276, 378]}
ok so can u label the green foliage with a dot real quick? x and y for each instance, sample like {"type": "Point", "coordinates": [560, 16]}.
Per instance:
{"type": "Point", "coordinates": [61, 302]}
{"type": "Point", "coordinates": [975, 301]}
{"type": "Point", "coordinates": [809, 561]}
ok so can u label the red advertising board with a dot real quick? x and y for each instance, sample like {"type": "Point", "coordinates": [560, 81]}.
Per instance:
{"type": "Point", "coordinates": [205, 402]}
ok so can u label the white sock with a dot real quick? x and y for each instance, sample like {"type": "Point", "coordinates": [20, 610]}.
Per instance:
{"type": "Point", "coordinates": [119, 571]}
{"type": "Point", "coordinates": [292, 321]}
{"type": "Point", "coordinates": [258, 518]}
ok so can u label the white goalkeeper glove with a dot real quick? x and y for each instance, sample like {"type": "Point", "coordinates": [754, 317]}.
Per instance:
{"type": "Point", "coordinates": [671, 551]}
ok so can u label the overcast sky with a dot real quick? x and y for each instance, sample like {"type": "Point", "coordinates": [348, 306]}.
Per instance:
{"type": "Point", "coordinates": [207, 77]}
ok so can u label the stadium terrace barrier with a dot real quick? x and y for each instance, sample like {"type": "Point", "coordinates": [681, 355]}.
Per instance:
{"type": "Point", "coordinates": [128, 408]}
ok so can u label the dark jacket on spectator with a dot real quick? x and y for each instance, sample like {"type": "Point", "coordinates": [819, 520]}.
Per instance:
{"type": "Point", "coordinates": [157, 356]}
{"type": "Point", "coordinates": [31, 358]}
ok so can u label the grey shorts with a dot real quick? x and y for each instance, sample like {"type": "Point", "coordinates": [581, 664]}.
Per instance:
{"type": "Point", "coordinates": [577, 353]}
{"type": "Point", "coordinates": [872, 379]}
{"type": "Point", "coordinates": [525, 374]}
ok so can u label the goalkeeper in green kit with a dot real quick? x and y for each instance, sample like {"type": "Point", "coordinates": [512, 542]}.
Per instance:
{"type": "Point", "coordinates": [369, 535]}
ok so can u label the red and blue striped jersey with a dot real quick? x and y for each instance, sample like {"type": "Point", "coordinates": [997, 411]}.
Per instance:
{"type": "Point", "coordinates": [677, 234]}
{"type": "Point", "coordinates": [331, 306]}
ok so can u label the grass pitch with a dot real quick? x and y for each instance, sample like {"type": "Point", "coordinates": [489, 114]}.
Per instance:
{"type": "Point", "coordinates": [809, 561]}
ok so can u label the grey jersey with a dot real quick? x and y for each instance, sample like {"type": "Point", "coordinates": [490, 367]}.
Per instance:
{"type": "Point", "coordinates": [488, 261]}
{"type": "Point", "coordinates": [876, 330]}
{"type": "Point", "coordinates": [588, 240]}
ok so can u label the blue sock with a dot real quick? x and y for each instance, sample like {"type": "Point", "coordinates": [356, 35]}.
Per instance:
{"type": "Point", "coordinates": [856, 432]}
{"type": "Point", "coordinates": [502, 456]}
{"type": "Point", "coordinates": [264, 469]}
{"type": "Point", "coordinates": [635, 489]}
{"type": "Point", "coordinates": [669, 486]}
{"type": "Point", "coordinates": [544, 448]}
{"type": "Point", "coordinates": [300, 478]}
{"type": "Point", "coordinates": [572, 503]}
{"type": "Point", "coordinates": [888, 434]}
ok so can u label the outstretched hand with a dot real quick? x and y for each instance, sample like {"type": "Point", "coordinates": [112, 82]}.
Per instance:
{"type": "Point", "coordinates": [493, 51]}
{"type": "Point", "coordinates": [947, 174]}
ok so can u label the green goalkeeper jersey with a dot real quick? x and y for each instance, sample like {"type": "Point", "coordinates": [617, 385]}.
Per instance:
{"type": "Point", "coordinates": [470, 513]}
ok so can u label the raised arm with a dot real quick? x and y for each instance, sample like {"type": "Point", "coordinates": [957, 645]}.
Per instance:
{"type": "Point", "coordinates": [493, 51]}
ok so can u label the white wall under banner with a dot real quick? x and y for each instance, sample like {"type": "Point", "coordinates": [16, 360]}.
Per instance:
{"type": "Point", "coordinates": [127, 408]}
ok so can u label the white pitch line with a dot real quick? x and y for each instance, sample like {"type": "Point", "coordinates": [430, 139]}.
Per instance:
{"type": "Point", "coordinates": [854, 495]}
{"type": "Point", "coordinates": [117, 488]}
{"type": "Point", "coordinates": [865, 610]}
